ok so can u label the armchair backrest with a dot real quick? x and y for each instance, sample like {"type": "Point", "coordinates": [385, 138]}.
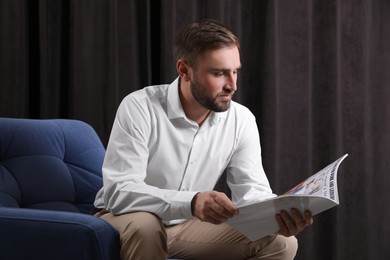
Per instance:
{"type": "Point", "coordinates": [49, 164]}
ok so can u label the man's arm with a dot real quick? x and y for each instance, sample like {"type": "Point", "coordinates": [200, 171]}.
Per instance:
{"type": "Point", "coordinates": [249, 183]}
{"type": "Point", "coordinates": [126, 163]}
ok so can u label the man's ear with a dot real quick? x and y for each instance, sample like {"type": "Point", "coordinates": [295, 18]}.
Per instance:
{"type": "Point", "coordinates": [183, 70]}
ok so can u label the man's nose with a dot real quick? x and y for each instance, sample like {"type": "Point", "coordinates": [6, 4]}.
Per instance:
{"type": "Point", "coordinates": [231, 83]}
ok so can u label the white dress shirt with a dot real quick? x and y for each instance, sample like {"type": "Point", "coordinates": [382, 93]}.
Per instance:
{"type": "Point", "coordinates": [157, 159]}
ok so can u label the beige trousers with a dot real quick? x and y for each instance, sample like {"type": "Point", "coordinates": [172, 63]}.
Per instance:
{"type": "Point", "coordinates": [143, 236]}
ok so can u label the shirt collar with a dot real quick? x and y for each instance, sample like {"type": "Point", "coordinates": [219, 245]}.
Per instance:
{"type": "Point", "coordinates": [175, 109]}
{"type": "Point", "coordinates": [217, 117]}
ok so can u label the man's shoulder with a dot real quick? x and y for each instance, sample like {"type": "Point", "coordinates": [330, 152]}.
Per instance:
{"type": "Point", "coordinates": [146, 95]}
{"type": "Point", "coordinates": [150, 91]}
{"type": "Point", "coordinates": [240, 109]}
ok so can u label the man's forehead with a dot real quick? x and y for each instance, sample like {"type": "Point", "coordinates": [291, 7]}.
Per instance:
{"type": "Point", "coordinates": [221, 59]}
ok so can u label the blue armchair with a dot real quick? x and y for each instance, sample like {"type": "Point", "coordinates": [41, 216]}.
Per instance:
{"type": "Point", "coordinates": [50, 171]}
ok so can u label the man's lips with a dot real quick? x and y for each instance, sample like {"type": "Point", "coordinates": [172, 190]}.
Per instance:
{"type": "Point", "coordinates": [228, 96]}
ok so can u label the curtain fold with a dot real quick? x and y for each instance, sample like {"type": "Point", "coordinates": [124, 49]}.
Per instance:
{"type": "Point", "coordinates": [316, 75]}
{"type": "Point", "coordinates": [14, 91]}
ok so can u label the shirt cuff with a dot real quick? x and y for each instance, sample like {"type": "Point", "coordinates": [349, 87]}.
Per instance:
{"type": "Point", "coordinates": [181, 205]}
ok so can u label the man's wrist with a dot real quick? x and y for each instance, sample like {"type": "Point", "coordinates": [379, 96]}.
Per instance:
{"type": "Point", "coordinates": [193, 202]}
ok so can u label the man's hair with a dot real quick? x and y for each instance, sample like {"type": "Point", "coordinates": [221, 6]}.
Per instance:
{"type": "Point", "coordinates": [196, 38]}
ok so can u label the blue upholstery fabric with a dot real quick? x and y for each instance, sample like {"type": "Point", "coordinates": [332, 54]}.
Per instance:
{"type": "Point", "coordinates": [51, 169]}
{"type": "Point", "coordinates": [43, 234]}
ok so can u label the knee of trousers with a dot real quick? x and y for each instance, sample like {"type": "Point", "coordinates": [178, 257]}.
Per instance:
{"type": "Point", "coordinates": [136, 225]}
{"type": "Point", "coordinates": [139, 232]}
{"type": "Point", "coordinates": [143, 226]}
{"type": "Point", "coordinates": [287, 246]}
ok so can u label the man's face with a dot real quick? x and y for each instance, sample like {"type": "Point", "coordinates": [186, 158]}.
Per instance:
{"type": "Point", "coordinates": [215, 77]}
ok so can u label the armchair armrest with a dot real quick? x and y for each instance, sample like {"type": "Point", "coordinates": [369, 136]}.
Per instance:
{"type": "Point", "coordinates": [44, 234]}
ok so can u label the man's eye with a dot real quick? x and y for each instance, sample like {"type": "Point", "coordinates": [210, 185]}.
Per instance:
{"type": "Point", "coordinates": [219, 74]}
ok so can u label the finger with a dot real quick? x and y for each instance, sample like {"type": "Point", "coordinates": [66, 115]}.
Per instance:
{"type": "Point", "coordinates": [302, 222]}
{"type": "Point", "coordinates": [282, 227]}
{"type": "Point", "coordinates": [207, 218]}
{"type": "Point", "coordinates": [219, 212]}
{"type": "Point", "coordinates": [222, 211]}
{"type": "Point", "coordinates": [289, 223]}
{"type": "Point", "coordinates": [299, 221]}
{"type": "Point", "coordinates": [214, 220]}
{"type": "Point", "coordinates": [219, 217]}
{"type": "Point", "coordinates": [308, 218]}
{"type": "Point", "coordinates": [225, 203]}
{"type": "Point", "coordinates": [216, 213]}
{"type": "Point", "coordinates": [213, 217]}
{"type": "Point", "coordinates": [221, 200]}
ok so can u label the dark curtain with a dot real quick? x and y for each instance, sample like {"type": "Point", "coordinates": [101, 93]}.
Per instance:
{"type": "Point", "coordinates": [315, 73]}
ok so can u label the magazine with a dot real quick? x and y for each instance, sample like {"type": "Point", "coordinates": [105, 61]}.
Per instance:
{"type": "Point", "coordinates": [317, 194]}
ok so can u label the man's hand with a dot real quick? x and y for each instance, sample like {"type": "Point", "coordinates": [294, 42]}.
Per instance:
{"type": "Point", "coordinates": [212, 206]}
{"type": "Point", "coordinates": [292, 225]}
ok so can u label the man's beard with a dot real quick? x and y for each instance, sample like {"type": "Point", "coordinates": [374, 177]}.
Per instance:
{"type": "Point", "coordinates": [208, 101]}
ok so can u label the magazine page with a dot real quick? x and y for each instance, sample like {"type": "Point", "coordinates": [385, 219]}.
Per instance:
{"type": "Point", "coordinates": [323, 183]}
{"type": "Point", "coordinates": [317, 193]}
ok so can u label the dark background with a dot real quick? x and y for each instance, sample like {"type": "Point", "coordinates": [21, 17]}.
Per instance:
{"type": "Point", "coordinates": [316, 75]}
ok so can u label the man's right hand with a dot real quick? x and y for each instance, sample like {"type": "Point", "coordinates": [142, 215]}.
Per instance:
{"type": "Point", "coordinates": [213, 206]}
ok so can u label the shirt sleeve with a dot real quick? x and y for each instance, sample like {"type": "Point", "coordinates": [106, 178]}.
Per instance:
{"type": "Point", "coordinates": [125, 167]}
{"type": "Point", "coordinates": [245, 174]}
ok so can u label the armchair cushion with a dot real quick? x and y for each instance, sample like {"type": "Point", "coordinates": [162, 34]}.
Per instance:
{"type": "Point", "coordinates": [43, 234]}
{"type": "Point", "coordinates": [50, 171]}
{"type": "Point", "coordinates": [53, 164]}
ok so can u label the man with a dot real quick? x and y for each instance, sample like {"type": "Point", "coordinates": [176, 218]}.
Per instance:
{"type": "Point", "coordinates": [168, 147]}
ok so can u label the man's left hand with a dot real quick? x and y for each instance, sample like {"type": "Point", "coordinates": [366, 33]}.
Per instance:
{"type": "Point", "coordinates": [292, 225]}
